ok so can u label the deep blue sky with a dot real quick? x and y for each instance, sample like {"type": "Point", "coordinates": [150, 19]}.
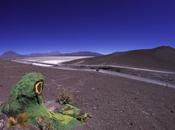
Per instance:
{"type": "Point", "coordinates": [96, 25]}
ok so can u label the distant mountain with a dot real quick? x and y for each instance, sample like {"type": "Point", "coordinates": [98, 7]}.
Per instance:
{"type": "Point", "coordinates": [11, 55]}
{"type": "Point", "coordinates": [82, 53]}
{"type": "Point", "coordinates": [162, 57]}
{"type": "Point", "coordinates": [14, 55]}
{"type": "Point", "coordinates": [54, 53]}
{"type": "Point", "coordinates": [79, 53]}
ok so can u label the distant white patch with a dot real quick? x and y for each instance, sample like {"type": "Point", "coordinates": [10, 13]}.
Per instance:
{"type": "Point", "coordinates": [40, 64]}
{"type": "Point", "coordinates": [54, 62]}
{"type": "Point", "coordinates": [53, 59]}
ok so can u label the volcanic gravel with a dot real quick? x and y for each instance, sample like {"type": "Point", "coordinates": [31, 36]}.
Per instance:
{"type": "Point", "coordinates": [115, 103]}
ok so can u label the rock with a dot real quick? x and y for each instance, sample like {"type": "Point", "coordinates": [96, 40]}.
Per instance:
{"type": "Point", "coordinates": [94, 108]}
{"type": "Point", "coordinates": [52, 105]}
{"type": "Point", "coordinates": [171, 111]}
{"type": "Point", "coordinates": [93, 88]}
{"type": "Point", "coordinates": [18, 128]}
{"type": "Point", "coordinates": [131, 124]}
{"type": "Point", "coordinates": [3, 120]}
{"type": "Point", "coordinates": [3, 125]}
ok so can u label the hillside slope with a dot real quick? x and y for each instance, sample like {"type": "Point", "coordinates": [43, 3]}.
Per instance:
{"type": "Point", "coordinates": [157, 58]}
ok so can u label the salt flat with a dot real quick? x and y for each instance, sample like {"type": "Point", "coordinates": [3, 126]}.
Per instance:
{"type": "Point", "coordinates": [54, 60]}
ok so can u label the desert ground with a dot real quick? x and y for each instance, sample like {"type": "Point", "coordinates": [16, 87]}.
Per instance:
{"type": "Point", "coordinates": [115, 103]}
{"type": "Point", "coordinates": [155, 76]}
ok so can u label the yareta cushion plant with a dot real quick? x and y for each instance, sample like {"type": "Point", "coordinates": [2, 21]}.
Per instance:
{"type": "Point", "coordinates": [26, 106]}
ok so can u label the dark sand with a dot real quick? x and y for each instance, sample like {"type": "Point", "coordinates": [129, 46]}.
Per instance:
{"type": "Point", "coordinates": [115, 103]}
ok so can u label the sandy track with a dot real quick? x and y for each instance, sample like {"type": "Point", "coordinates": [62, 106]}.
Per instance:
{"type": "Point", "coordinates": [129, 76]}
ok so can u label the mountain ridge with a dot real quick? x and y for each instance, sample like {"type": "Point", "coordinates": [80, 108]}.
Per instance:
{"type": "Point", "coordinates": [162, 57]}
{"type": "Point", "coordinates": [12, 54]}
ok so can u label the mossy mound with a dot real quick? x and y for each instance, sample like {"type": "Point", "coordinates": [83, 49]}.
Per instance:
{"type": "Point", "coordinates": [25, 107]}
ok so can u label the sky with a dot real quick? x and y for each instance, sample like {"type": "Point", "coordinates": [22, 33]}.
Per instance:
{"type": "Point", "coordinates": [105, 26]}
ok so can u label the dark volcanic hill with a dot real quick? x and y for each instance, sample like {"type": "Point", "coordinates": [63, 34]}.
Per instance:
{"type": "Point", "coordinates": [11, 55]}
{"type": "Point", "coordinates": [162, 57]}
